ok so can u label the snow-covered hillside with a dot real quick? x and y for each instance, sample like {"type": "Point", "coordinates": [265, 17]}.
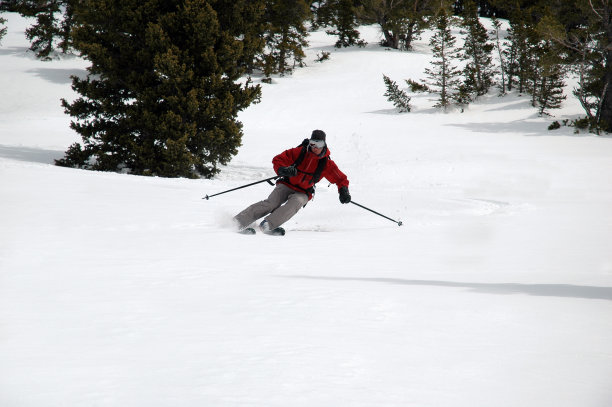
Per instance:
{"type": "Point", "coordinates": [118, 290]}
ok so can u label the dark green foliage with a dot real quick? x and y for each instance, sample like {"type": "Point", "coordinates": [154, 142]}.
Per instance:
{"type": "Point", "coordinates": [550, 73]}
{"type": "Point", "coordinates": [244, 19]}
{"type": "Point", "coordinates": [478, 71]}
{"type": "Point", "coordinates": [395, 95]}
{"type": "Point", "coordinates": [444, 77]}
{"type": "Point", "coordinates": [340, 14]}
{"type": "Point", "coordinates": [534, 64]}
{"type": "Point", "coordinates": [161, 97]}
{"type": "Point", "coordinates": [10, 5]}
{"type": "Point", "coordinates": [486, 8]}
{"type": "Point", "coordinates": [585, 123]}
{"type": "Point", "coordinates": [416, 86]}
{"type": "Point", "coordinates": [2, 28]}
{"type": "Point", "coordinates": [500, 54]}
{"type": "Point", "coordinates": [519, 56]}
{"type": "Point", "coordinates": [554, 125]}
{"type": "Point", "coordinates": [584, 29]}
{"type": "Point", "coordinates": [323, 56]}
{"type": "Point", "coordinates": [523, 40]}
{"type": "Point", "coordinates": [401, 22]}
{"type": "Point", "coordinates": [285, 35]}
{"type": "Point", "coordinates": [54, 21]}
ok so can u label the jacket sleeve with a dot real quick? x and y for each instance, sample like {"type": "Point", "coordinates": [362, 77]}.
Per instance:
{"type": "Point", "coordinates": [286, 158]}
{"type": "Point", "coordinates": [333, 174]}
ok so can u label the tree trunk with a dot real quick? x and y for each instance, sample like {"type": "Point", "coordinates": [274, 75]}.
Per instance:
{"type": "Point", "coordinates": [605, 111]}
{"type": "Point", "coordinates": [391, 39]}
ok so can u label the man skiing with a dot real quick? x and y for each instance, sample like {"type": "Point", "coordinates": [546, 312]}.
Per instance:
{"type": "Point", "coordinates": [301, 168]}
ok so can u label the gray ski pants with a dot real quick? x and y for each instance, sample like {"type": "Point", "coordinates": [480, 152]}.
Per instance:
{"type": "Point", "coordinates": [293, 202]}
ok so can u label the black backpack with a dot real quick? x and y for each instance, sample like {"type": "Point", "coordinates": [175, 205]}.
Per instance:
{"type": "Point", "coordinates": [316, 176]}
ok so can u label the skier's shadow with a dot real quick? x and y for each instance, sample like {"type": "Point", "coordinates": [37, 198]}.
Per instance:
{"type": "Point", "coordinates": [541, 290]}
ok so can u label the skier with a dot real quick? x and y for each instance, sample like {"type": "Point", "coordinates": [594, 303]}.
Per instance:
{"type": "Point", "coordinates": [301, 168]}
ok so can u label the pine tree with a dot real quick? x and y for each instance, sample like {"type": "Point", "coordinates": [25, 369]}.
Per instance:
{"type": "Point", "coordinates": [444, 77]}
{"type": "Point", "coordinates": [10, 5]}
{"type": "Point", "coordinates": [500, 55]}
{"type": "Point", "coordinates": [547, 78]}
{"type": "Point", "coordinates": [245, 20]}
{"type": "Point", "coordinates": [522, 55]}
{"type": "Point", "coordinates": [478, 71]}
{"type": "Point", "coordinates": [584, 29]}
{"type": "Point", "coordinates": [162, 93]}
{"type": "Point", "coordinates": [401, 22]}
{"type": "Point", "coordinates": [54, 20]}
{"type": "Point", "coordinates": [340, 14]}
{"type": "Point", "coordinates": [395, 95]}
{"type": "Point", "coordinates": [518, 55]}
{"type": "Point", "coordinates": [550, 95]}
{"type": "Point", "coordinates": [285, 35]}
{"type": "Point", "coordinates": [534, 67]}
{"type": "Point", "coordinates": [2, 28]}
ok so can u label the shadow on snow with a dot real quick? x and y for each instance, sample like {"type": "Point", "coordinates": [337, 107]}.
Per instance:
{"type": "Point", "coordinates": [541, 290]}
{"type": "Point", "coordinates": [35, 155]}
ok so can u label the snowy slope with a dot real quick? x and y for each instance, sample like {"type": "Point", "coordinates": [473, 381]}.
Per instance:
{"type": "Point", "coordinates": [118, 290]}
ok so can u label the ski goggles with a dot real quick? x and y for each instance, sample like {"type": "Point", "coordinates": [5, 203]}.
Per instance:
{"type": "Point", "coordinates": [317, 143]}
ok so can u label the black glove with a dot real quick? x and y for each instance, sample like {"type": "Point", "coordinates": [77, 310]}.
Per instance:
{"type": "Point", "coordinates": [287, 171]}
{"type": "Point", "coordinates": [345, 197]}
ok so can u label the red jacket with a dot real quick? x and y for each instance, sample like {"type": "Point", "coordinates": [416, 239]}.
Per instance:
{"type": "Point", "coordinates": [302, 182]}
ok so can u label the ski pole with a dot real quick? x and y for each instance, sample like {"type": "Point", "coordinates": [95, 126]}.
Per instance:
{"type": "Point", "coordinates": [268, 180]}
{"type": "Point", "coordinates": [399, 223]}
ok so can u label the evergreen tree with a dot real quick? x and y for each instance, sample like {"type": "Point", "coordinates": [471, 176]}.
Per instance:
{"type": "Point", "coordinates": [340, 14]}
{"type": "Point", "coordinates": [285, 35]}
{"type": "Point", "coordinates": [519, 55]}
{"type": "Point", "coordinates": [162, 93]}
{"type": "Point", "coordinates": [244, 19]}
{"type": "Point", "coordinates": [524, 52]}
{"type": "Point", "coordinates": [584, 29]}
{"type": "Point", "coordinates": [54, 20]}
{"type": "Point", "coordinates": [444, 77]}
{"type": "Point", "coordinates": [534, 67]}
{"type": "Point", "coordinates": [2, 29]}
{"type": "Point", "coordinates": [486, 8]}
{"type": "Point", "coordinates": [10, 5]}
{"type": "Point", "coordinates": [395, 95]}
{"type": "Point", "coordinates": [478, 71]}
{"type": "Point", "coordinates": [500, 55]}
{"type": "Point", "coordinates": [534, 64]}
{"type": "Point", "coordinates": [550, 92]}
{"type": "Point", "coordinates": [401, 22]}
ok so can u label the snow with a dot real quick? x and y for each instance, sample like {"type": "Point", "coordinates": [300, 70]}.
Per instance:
{"type": "Point", "coordinates": [117, 290]}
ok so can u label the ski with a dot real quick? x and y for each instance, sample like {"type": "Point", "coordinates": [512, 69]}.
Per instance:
{"type": "Point", "coordinates": [276, 232]}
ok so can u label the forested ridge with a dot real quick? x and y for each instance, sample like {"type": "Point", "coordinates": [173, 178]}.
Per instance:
{"type": "Point", "coordinates": [166, 80]}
